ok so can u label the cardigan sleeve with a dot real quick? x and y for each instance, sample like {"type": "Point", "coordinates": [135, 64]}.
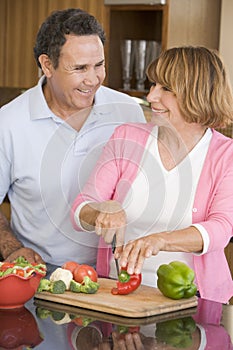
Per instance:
{"type": "Point", "coordinates": [116, 168]}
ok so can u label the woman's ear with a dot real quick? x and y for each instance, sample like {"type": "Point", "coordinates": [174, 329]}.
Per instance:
{"type": "Point", "coordinates": [46, 65]}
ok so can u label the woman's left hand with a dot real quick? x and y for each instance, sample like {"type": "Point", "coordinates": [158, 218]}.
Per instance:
{"type": "Point", "coordinates": [135, 252]}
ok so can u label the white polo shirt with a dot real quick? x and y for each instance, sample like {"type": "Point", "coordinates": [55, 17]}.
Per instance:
{"type": "Point", "coordinates": [44, 164]}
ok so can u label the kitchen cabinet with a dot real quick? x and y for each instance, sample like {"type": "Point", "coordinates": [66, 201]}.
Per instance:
{"type": "Point", "coordinates": [179, 22]}
{"type": "Point", "coordinates": [176, 23]}
{"type": "Point", "coordinates": [19, 24]}
{"type": "Point", "coordinates": [133, 22]}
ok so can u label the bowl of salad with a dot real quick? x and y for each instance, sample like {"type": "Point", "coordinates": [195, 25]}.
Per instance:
{"type": "Point", "coordinates": [19, 281]}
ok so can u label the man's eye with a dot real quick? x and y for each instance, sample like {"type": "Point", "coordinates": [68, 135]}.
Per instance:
{"type": "Point", "coordinates": [100, 64]}
{"type": "Point", "coordinates": [80, 68]}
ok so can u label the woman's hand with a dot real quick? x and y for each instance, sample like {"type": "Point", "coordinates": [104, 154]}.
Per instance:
{"type": "Point", "coordinates": [29, 254]}
{"type": "Point", "coordinates": [133, 341]}
{"type": "Point", "coordinates": [110, 221]}
{"type": "Point", "coordinates": [135, 252]}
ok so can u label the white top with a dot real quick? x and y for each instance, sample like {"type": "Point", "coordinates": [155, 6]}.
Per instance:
{"type": "Point", "coordinates": [175, 190]}
{"type": "Point", "coordinates": [45, 162]}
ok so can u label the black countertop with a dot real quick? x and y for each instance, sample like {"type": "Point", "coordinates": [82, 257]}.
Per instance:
{"type": "Point", "coordinates": [44, 325]}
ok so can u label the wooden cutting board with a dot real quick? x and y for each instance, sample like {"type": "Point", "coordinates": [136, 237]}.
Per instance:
{"type": "Point", "coordinates": [145, 301]}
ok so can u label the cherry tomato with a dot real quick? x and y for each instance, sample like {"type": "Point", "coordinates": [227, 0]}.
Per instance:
{"type": "Point", "coordinates": [70, 265]}
{"type": "Point", "coordinates": [85, 270]}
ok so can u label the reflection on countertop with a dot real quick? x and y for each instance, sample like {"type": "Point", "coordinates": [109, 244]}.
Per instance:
{"type": "Point", "coordinates": [44, 325]}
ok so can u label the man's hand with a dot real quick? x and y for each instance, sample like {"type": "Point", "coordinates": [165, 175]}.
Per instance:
{"type": "Point", "coordinates": [29, 254]}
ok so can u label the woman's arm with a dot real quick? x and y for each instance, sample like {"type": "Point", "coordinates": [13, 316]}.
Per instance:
{"type": "Point", "coordinates": [134, 253]}
{"type": "Point", "coordinates": [106, 218]}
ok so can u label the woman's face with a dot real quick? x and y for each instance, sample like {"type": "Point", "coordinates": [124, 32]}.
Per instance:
{"type": "Point", "coordinates": [164, 105]}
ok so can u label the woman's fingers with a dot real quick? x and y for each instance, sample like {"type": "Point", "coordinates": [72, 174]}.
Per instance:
{"type": "Point", "coordinates": [134, 254]}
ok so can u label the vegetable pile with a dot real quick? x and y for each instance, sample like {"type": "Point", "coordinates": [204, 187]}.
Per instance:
{"type": "Point", "coordinates": [175, 280]}
{"type": "Point", "coordinates": [61, 317]}
{"type": "Point", "coordinates": [21, 267]}
{"type": "Point", "coordinates": [126, 283]}
{"type": "Point", "coordinates": [73, 277]}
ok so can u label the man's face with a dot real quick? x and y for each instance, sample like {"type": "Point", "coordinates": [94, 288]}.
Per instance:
{"type": "Point", "coordinates": [80, 72]}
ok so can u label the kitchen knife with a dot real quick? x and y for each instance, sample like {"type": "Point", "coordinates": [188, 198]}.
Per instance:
{"type": "Point", "coordinates": [113, 250]}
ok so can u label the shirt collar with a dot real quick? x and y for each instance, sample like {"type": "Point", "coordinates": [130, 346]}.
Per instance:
{"type": "Point", "coordinates": [40, 110]}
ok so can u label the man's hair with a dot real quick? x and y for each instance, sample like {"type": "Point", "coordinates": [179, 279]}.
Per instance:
{"type": "Point", "coordinates": [51, 35]}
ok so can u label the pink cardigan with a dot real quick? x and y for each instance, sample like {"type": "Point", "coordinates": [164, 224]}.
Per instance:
{"type": "Point", "coordinates": [213, 205]}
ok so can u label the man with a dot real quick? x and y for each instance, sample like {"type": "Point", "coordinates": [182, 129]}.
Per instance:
{"type": "Point", "coordinates": [50, 138]}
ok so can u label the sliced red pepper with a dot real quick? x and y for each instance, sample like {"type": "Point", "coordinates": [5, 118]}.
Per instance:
{"type": "Point", "coordinates": [19, 272]}
{"type": "Point", "coordinates": [6, 265]}
{"type": "Point", "coordinates": [131, 285]}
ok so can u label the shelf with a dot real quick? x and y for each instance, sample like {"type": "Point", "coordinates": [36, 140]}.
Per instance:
{"type": "Point", "coordinates": [134, 22]}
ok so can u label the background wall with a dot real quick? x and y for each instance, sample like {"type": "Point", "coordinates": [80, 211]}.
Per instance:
{"type": "Point", "coordinates": [226, 31]}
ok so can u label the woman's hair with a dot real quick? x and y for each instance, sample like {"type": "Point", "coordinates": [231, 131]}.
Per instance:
{"type": "Point", "coordinates": [197, 77]}
{"type": "Point", "coordinates": [51, 35]}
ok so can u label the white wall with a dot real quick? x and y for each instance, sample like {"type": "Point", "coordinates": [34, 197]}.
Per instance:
{"type": "Point", "coordinates": [226, 36]}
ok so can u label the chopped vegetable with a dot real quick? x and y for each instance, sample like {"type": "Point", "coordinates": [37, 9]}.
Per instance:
{"type": "Point", "coordinates": [75, 287]}
{"type": "Point", "coordinates": [61, 274]}
{"type": "Point", "coordinates": [21, 267]}
{"type": "Point", "coordinates": [42, 313]}
{"type": "Point", "coordinates": [127, 283]}
{"type": "Point", "coordinates": [89, 286]}
{"type": "Point", "coordinates": [123, 276]}
{"type": "Point", "coordinates": [55, 287]}
{"type": "Point", "coordinates": [44, 285]}
{"type": "Point", "coordinates": [82, 321]}
{"type": "Point", "coordinates": [175, 280]}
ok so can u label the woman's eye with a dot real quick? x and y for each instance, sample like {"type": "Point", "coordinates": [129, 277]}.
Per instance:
{"type": "Point", "coordinates": [165, 88]}
{"type": "Point", "coordinates": [152, 83]}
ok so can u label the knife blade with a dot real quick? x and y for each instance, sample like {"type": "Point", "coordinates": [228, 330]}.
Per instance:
{"type": "Point", "coordinates": [113, 251]}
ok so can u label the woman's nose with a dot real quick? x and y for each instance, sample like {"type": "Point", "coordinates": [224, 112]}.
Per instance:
{"type": "Point", "coordinates": [154, 94]}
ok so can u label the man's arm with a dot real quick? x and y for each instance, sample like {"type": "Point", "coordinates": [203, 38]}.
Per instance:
{"type": "Point", "coordinates": [8, 242]}
{"type": "Point", "coordinates": [11, 248]}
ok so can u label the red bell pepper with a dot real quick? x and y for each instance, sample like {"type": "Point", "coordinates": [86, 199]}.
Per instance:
{"type": "Point", "coordinates": [127, 284]}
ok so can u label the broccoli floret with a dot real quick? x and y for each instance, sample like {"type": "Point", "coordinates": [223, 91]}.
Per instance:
{"type": "Point", "coordinates": [42, 313]}
{"type": "Point", "coordinates": [75, 286]}
{"type": "Point", "coordinates": [57, 287]}
{"type": "Point", "coordinates": [89, 286]}
{"type": "Point", "coordinates": [44, 285]}
{"type": "Point", "coordinates": [58, 315]}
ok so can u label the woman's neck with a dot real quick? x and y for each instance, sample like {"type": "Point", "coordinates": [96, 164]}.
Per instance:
{"type": "Point", "coordinates": [174, 145]}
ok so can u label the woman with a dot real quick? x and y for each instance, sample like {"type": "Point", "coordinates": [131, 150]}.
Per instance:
{"type": "Point", "coordinates": [165, 188]}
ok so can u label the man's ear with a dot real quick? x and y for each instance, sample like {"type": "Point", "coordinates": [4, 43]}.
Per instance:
{"type": "Point", "coordinates": [46, 65]}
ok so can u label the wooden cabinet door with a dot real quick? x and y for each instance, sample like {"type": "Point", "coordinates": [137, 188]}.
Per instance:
{"type": "Point", "coordinates": [19, 24]}
{"type": "Point", "coordinates": [22, 19]}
